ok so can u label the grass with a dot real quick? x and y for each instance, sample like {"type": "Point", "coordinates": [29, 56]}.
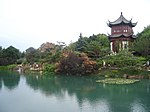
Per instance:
{"type": "Point", "coordinates": [8, 67]}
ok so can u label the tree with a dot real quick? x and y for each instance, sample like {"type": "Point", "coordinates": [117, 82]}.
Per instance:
{"type": "Point", "coordinates": [76, 64]}
{"type": "Point", "coordinates": [95, 46]}
{"type": "Point", "coordinates": [13, 53]}
{"type": "Point", "coordinates": [93, 49]}
{"type": "Point", "coordinates": [142, 44]}
{"type": "Point", "coordinates": [9, 55]}
{"type": "Point", "coordinates": [81, 44]}
{"type": "Point", "coordinates": [98, 46]}
{"type": "Point", "coordinates": [71, 47]}
{"type": "Point", "coordinates": [32, 57]}
{"type": "Point", "coordinates": [1, 51]}
{"type": "Point", "coordinates": [30, 49]}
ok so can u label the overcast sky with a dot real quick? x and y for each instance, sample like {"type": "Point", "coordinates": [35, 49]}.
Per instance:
{"type": "Point", "coordinates": [26, 23]}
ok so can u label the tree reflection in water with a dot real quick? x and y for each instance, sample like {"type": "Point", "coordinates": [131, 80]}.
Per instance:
{"type": "Point", "coordinates": [116, 97]}
{"type": "Point", "coordinates": [0, 83]}
{"type": "Point", "coordinates": [89, 95]}
{"type": "Point", "coordinates": [9, 80]}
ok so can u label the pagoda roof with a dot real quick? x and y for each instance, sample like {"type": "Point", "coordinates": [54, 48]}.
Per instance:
{"type": "Point", "coordinates": [122, 35]}
{"type": "Point", "coordinates": [122, 20]}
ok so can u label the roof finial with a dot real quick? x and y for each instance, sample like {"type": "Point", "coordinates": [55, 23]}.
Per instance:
{"type": "Point", "coordinates": [121, 13]}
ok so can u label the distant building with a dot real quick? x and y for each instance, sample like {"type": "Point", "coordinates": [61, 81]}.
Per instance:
{"type": "Point", "coordinates": [121, 34]}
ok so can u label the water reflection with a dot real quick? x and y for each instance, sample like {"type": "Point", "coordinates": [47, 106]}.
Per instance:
{"type": "Point", "coordinates": [48, 86]}
{"type": "Point", "coordinates": [137, 107]}
{"type": "Point", "coordinates": [9, 80]}
{"type": "Point", "coordinates": [0, 83]}
{"type": "Point", "coordinates": [84, 91]}
{"type": "Point", "coordinates": [116, 98]}
{"type": "Point", "coordinates": [101, 106]}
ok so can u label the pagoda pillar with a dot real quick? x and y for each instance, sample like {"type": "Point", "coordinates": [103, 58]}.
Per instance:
{"type": "Point", "coordinates": [123, 45]}
{"type": "Point", "coordinates": [111, 46]}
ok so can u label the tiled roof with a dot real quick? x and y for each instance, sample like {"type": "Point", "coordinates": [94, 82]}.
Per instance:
{"type": "Point", "coordinates": [122, 35]}
{"type": "Point", "coordinates": [121, 20]}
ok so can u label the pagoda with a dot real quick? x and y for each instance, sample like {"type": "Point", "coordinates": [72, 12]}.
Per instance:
{"type": "Point", "coordinates": [121, 34]}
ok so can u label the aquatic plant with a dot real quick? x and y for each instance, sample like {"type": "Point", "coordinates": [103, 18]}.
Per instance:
{"type": "Point", "coordinates": [117, 81]}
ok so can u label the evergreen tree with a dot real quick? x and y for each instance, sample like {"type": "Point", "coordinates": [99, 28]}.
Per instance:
{"type": "Point", "coordinates": [142, 44]}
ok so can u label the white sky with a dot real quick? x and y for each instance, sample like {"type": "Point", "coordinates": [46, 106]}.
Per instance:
{"type": "Point", "coordinates": [26, 23]}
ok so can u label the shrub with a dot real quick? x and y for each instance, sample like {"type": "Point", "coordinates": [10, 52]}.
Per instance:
{"type": "Point", "coordinates": [76, 64]}
{"type": "Point", "coordinates": [8, 67]}
{"type": "Point", "coordinates": [134, 71]}
{"type": "Point", "coordinates": [49, 69]}
{"type": "Point", "coordinates": [122, 59]}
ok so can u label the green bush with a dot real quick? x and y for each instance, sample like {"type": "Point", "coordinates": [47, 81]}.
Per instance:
{"type": "Point", "coordinates": [8, 67]}
{"type": "Point", "coordinates": [122, 59]}
{"type": "Point", "coordinates": [134, 71]}
{"type": "Point", "coordinates": [49, 69]}
{"type": "Point", "coordinates": [108, 73]}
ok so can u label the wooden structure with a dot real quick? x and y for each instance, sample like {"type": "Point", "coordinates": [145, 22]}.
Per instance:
{"type": "Point", "coordinates": [121, 34]}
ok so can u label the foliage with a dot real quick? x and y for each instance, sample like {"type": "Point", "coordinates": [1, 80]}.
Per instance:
{"type": "Point", "coordinates": [81, 44]}
{"type": "Point", "coordinates": [8, 67]}
{"type": "Point", "coordinates": [76, 58]}
{"type": "Point", "coordinates": [47, 53]}
{"type": "Point", "coordinates": [116, 46]}
{"type": "Point", "coordinates": [30, 50]}
{"type": "Point", "coordinates": [49, 69]}
{"type": "Point", "coordinates": [108, 73]}
{"type": "Point", "coordinates": [95, 46]}
{"type": "Point", "coordinates": [9, 55]}
{"type": "Point", "coordinates": [73, 63]}
{"type": "Point", "coordinates": [55, 57]}
{"type": "Point", "coordinates": [120, 72]}
{"type": "Point", "coordinates": [32, 56]}
{"type": "Point", "coordinates": [121, 59]}
{"type": "Point", "coordinates": [134, 71]}
{"type": "Point", "coordinates": [142, 44]}
{"type": "Point", "coordinates": [71, 47]}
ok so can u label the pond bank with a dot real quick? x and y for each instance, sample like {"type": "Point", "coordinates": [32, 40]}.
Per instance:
{"type": "Point", "coordinates": [124, 72]}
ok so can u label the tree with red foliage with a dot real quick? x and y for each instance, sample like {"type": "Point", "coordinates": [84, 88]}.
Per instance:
{"type": "Point", "coordinates": [73, 63]}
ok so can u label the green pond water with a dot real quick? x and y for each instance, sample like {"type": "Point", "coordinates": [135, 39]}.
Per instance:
{"type": "Point", "coordinates": [32, 93]}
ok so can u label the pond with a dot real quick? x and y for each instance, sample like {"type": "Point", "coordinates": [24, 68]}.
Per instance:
{"type": "Point", "coordinates": [33, 93]}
